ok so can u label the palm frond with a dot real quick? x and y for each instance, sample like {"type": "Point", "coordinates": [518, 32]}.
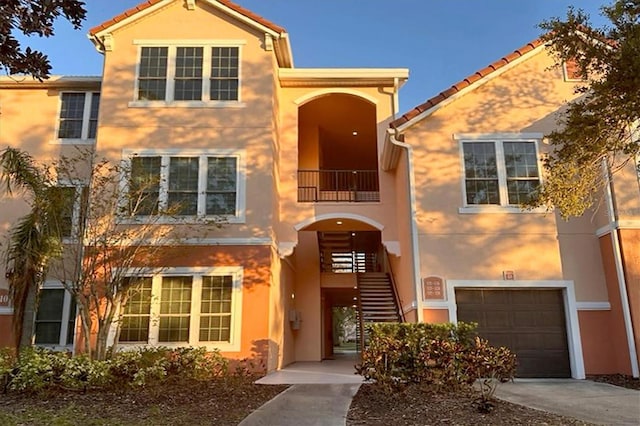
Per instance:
{"type": "Point", "coordinates": [19, 171]}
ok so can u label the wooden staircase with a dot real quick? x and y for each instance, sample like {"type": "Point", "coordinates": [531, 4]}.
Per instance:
{"type": "Point", "coordinates": [378, 302]}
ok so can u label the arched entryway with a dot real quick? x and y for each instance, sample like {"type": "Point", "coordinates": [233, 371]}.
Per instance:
{"type": "Point", "coordinates": [341, 265]}
{"type": "Point", "coordinates": [337, 149]}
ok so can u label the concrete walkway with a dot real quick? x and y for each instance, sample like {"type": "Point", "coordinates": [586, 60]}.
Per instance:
{"type": "Point", "coordinates": [592, 402]}
{"type": "Point", "coordinates": [306, 405]}
{"type": "Point", "coordinates": [320, 394]}
{"type": "Point", "coordinates": [335, 371]}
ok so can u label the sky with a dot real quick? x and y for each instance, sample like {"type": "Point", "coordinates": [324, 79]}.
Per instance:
{"type": "Point", "coordinates": [439, 41]}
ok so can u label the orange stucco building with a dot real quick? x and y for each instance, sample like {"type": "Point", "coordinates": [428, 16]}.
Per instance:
{"type": "Point", "coordinates": [331, 198]}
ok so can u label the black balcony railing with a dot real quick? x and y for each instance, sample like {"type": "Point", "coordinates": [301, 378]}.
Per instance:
{"type": "Point", "coordinates": [350, 186]}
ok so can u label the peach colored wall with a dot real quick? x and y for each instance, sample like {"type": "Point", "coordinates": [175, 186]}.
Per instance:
{"type": "Point", "coordinates": [597, 342]}
{"type": "Point", "coordinates": [29, 121]}
{"type": "Point", "coordinates": [288, 282]}
{"type": "Point", "coordinates": [617, 334]}
{"type": "Point", "coordinates": [331, 280]}
{"type": "Point", "coordinates": [248, 127]}
{"type": "Point", "coordinates": [436, 316]}
{"type": "Point", "coordinates": [403, 265]}
{"type": "Point", "coordinates": [630, 243]}
{"type": "Point", "coordinates": [626, 185]}
{"type": "Point", "coordinates": [256, 261]}
{"type": "Point", "coordinates": [523, 99]}
{"type": "Point", "coordinates": [293, 212]}
{"type": "Point", "coordinates": [281, 349]}
{"type": "Point", "coordinates": [282, 335]}
{"type": "Point", "coordinates": [581, 257]}
{"type": "Point", "coordinates": [307, 298]}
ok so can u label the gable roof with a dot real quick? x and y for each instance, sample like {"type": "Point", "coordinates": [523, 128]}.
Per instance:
{"type": "Point", "coordinates": [276, 35]}
{"type": "Point", "coordinates": [147, 4]}
{"type": "Point", "coordinates": [416, 113]}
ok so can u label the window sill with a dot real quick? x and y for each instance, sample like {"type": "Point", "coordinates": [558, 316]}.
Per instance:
{"type": "Point", "coordinates": [186, 104]}
{"type": "Point", "coordinates": [222, 346]}
{"type": "Point", "coordinates": [186, 220]}
{"type": "Point", "coordinates": [61, 141]}
{"type": "Point", "coordinates": [54, 347]}
{"type": "Point", "coordinates": [500, 210]}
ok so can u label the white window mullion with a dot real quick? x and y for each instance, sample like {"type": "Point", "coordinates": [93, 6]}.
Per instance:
{"type": "Point", "coordinates": [206, 73]}
{"type": "Point", "coordinates": [502, 174]}
{"type": "Point", "coordinates": [240, 186]}
{"type": "Point", "coordinates": [202, 186]}
{"type": "Point", "coordinates": [194, 316]}
{"type": "Point", "coordinates": [64, 326]}
{"type": "Point", "coordinates": [163, 196]}
{"type": "Point", "coordinates": [154, 311]}
{"type": "Point", "coordinates": [171, 73]}
{"type": "Point", "coordinates": [239, 74]}
{"type": "Point", "coordinates": [86, 116]}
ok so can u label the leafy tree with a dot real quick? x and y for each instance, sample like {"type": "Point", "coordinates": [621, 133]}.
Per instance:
{"type": "Point", "coordinates": [96, 245]}
{"type": "Point", "coordinates": [32, 17]}
{"type": "Point", "coordinates": [599, 128]}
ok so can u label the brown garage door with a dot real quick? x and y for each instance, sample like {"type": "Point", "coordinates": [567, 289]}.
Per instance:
{"type": "Point", "coordinates": [530, 322]}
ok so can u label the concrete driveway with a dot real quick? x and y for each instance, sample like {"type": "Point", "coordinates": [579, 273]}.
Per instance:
{"type": "Point", "coordinates": [592, 402]}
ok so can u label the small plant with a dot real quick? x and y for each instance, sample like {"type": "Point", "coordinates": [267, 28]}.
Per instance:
{"type": "Point", "coordinates": [446, 357]}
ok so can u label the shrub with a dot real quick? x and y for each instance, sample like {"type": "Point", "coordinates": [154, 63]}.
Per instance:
{"type": "Point", "coordinates": [39, 369]}
{"type": "Point", "coordinates": [444, 356]}
{"type": "Point", "coordinates": [7, 362]}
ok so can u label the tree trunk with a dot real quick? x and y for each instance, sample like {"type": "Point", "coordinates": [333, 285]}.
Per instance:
{"type": "Point", "coordinates": [85, 316]}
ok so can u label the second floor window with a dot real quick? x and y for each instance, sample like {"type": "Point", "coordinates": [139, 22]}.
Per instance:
{"type": "Point", "coordinates": [71, 201]}
{"type": "Point", "coordinates": [188, 73]}
{"type": "Point", "coordinates": [185, 185]}
{"type": "Point", "coordinates": [499, 172]}
{"type": "Point", "coordinates": [78, 115]}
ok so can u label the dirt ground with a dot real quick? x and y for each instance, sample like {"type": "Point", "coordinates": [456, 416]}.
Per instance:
{"type": "Point", "coordinates": [228, 402]}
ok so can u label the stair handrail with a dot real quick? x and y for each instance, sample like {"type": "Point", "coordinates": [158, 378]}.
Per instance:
{"type": "Point", "coordinates": [386, 265]}
{"type": "Point", "coordinates": [360, 320]}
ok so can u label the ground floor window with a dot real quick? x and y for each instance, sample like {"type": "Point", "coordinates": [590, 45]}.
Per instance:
{"type": "Point", "coordinates": [184, 306]}
{"type": "Point", "coordinates": [55, 317]}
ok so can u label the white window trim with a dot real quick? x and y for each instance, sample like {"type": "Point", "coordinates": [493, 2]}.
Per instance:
{"type": "Point", "coordinates": [172, 46]}
{"type": "Point", "coordinates": [574, 340]}
{"type": "Point", "coordinates": [64, 327]}
{"type": "Point", "coordinates": [569, 79]}
{"type": "Point", "coordinates": [498, 140]}
{"type": "Point", "coordinates": [79, 185]}
{"type": "Point", "coordinates": [234, 344]}
{"type": "Point", "coordinates": [239, 154]}
{"type": "Point", "coordinates": [86, 117]}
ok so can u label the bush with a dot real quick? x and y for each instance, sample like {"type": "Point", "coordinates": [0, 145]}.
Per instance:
{"type": "Point", "coordinates": [39, 369]}
{"type": "Point", "coordinates": [444, 356]}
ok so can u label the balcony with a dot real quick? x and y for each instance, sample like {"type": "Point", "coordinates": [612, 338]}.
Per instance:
{"type": "Point", "coordinates": [345, 186]}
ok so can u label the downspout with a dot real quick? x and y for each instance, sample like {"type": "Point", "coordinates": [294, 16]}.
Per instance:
{"type": "Point", "coordinates": [393, 135]}
{"type": "Point", "coordinates": [622, 282]}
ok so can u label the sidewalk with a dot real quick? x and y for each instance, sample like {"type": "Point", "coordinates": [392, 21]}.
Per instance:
{"type": "Point", "coordinates": [306, 405]}
{"type": "Point", "coordinates": [598, 403]}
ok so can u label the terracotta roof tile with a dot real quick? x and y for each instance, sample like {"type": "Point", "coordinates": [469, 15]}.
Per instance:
{"type": "Point", "coordinates": [145, 5]}
{"type": "Point", "coordinates": [465, 82]}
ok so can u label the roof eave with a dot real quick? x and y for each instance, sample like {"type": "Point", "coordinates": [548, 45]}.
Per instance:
{"type": "Point", "coordinates": [466, 85]}
{"type": "Point", "coordinates": [346, 77]}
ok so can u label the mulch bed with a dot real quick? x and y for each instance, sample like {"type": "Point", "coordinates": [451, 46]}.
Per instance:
{"type": "Point", "coordinates": [617, 380]}
{"type": "Point", "coordinates": [182, 403]}
{"type": "Point", "coordinates": [422, 406]}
